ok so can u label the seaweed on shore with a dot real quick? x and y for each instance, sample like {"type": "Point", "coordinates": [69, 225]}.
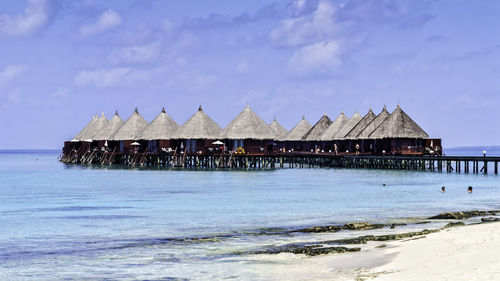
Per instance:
{"type": "Point", "coordinates": [348, 226]}
{"type": "Point", "coordinates": [386, 237]}
{"type": "Point", "coordinates": [463, 215]}
{"type": "Point", "coordinates": [308, 249]}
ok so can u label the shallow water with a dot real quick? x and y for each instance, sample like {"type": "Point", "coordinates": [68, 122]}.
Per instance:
{"type": "Point", "coordinates": [73, 222]}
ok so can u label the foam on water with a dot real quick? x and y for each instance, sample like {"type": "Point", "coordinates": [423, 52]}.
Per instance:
{"type": "Point", "coordinates": [77, 222]}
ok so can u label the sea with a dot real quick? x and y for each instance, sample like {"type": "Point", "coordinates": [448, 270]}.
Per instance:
{"type": "Point", "coordinates": [71, 222]}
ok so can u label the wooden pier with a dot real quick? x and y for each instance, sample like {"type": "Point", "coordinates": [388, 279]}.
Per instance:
{"type": "Point", "coordinates": [455, 164]}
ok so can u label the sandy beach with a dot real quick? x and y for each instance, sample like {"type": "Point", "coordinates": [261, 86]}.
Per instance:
{"type": "Point", "coordinates": [461, 253]}
{"type": "Point", "coordinates": [458, 253]}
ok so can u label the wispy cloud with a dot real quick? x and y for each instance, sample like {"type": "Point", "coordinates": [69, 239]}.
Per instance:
{"type": "Point", "coordinates": [215, 20]}
{"type": "Point", "coordinates": [320, 58]}
{"type": "Point", "coordinates": [107, 20]}
{"type": "Point", "coordinates": [136, 54]}
{"type": "Point", "coordinates": [308, 28]}
{"type": "Point", "coordinates": [321, 33]}
{"type": "Point", "coordinates": [102, 77]}
{"type": "Point", "coordinates": [32, 19]}
{"type": "Point", "coordinates": [10, 72]}
{"type": "Point", "coordinates": [404, 14]}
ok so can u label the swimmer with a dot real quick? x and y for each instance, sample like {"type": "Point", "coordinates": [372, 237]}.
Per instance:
{"type": "Point", "coordinates": [443, 189]}
{"type": "Point", "coordinates": [469, 189]}
{"type": "Point", "coordinates": [384, 184]}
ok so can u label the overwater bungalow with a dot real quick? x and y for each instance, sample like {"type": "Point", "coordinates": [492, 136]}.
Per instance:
{"type": "Point", "coordinates": [99, 124]}
{"type": "Point", "coordinates": [85, 139]}
{"type": "Point", "coordinates": [250, 133]}
{"type": "Point", "coordinates": [329, 133]}
{"type": "Point", "coordinates": [368, 145]}
{"type": "Point", "coordinates": [293, 140]}
{"type": "Point", "coordinates": [129, 134]}
{"type": "Point", "coordinates": [352, 139]}
{"type": "Point", "coordinates": [339, 137]}
{"type": "Point", "coordinates": [76, 143]}
{"type": "Point", "coordinates": [197, 134]}
{"type": "Point", "coordinates": [200, 137]}
{"type": "Point", "coordinates": [159, 133]}
{"type": "Point", "coordinates": [313, 136]}
{"type": "Point", "coordinates": [103, 136]}
{"type": "Point", "coordinates": [398, 134]}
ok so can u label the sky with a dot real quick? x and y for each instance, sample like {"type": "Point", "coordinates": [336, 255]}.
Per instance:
{"type": "Point", "coordinates": [63, 61]}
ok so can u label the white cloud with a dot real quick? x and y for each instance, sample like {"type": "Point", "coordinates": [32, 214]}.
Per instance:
{"type": "Point", "coordinates": [33, 18]}
{"type": "Point", "coordinates": [136, 54]}
{"type": "Point", "coordinates": [106, 21]}
{"type": "Point", "coordinates": [307, 29]}
{"type": "Point", "coordinates": [12, 71]}
{"type": "Point", "coordinates": [102, 77]}
{"type": "Point", "coordinates": [318, 58]}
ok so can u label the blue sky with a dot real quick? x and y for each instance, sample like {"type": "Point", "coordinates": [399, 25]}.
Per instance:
{"type": "Point", "coordinates": [62, 61]}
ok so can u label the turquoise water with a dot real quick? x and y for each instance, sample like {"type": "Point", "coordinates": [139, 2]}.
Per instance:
{"type": "Point", "coordinates": [72, 222]}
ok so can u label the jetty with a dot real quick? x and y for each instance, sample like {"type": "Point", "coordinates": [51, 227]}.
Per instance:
{"type": "Point", "coordinates": [371, 141]}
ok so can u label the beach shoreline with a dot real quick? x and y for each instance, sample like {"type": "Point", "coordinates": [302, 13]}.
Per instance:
{"type": "Point", "coordinates": [467, 252]}
{"type": "Point", "coordinates": [460, 253]}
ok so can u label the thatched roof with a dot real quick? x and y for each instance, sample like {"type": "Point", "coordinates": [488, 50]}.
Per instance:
{"type": "Point", "coordinates": [353, 121]}
{"type": "Point", "coordinates": [279, 131]}
{"type": "Point", "coordinates": [337, 124]}
{"type": "Point", "coordinates": [85, 129]}
{"type": "Point", "coordinates": [367, 119]}
{"type": "Point", "coordinates": [374, 124]}
{"type": "Point", "coordinates": [248, 125]}
{"type": "Point", "coordinates": [318, 129]}
{"type": "Point", "coordinates": [199, 126]}
{"type": "Point", "coordinates": [163, 127]}
{"type": "Point", "coordinates": [297, 132]}
{"type": "Point", "coordinates": [112, 127]}
{"type": "Point", "coordinates": [98, 126]}
{"type": "Point", "coordinates": [132, 128]}
{"type": "Point", "coordinates": [398, 125]}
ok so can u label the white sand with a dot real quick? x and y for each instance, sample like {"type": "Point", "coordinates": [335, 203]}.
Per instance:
{"type": "Point", "coordinates": [461, 253]}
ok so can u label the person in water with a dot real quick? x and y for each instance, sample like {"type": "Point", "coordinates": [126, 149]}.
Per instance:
{"type": "Point", "coordinates": [443, 189]}
{"type": "Point", "coordinates": [469, 189]}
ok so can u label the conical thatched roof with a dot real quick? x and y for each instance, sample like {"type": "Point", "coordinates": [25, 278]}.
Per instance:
{"type": "Point", "coordinates": [297, 132]}
{"type": "Point", "coordinates": [374, 124]}
{"type": "Point", "coordinates": [353, 121]}
{"type": "Point", "coordinates": [318, 129]}
{"type": "Point", "coordinates": [279, 131]}
{"type": "Point", "coordinates": [398, 125]}
{"type": "Point", "coordinates": [163, 127]}
{"type": "Point", "coordinates": [339, 122]}
{"type": "Point", "coordinates": [248, 125]}
{"type": "Point", "coordinates": [367, 119]}
{"type": "Point", "coordinates": [199, 126]}
{"type": "Point", "coordinates": [85, 129]}
{"type": "Point", "coordinates": [132, 128]}
{"type": "Point", "coordinates": [97, 127]}
{"type": "Point", "coordinates": [113, 126]}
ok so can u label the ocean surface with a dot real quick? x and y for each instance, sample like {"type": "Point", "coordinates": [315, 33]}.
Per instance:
{"type": "Point", "coordinates": [71, 222]}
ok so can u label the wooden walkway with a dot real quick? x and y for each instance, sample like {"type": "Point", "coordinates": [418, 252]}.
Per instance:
{"type": "Point", "coordinates": [456, 164]}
